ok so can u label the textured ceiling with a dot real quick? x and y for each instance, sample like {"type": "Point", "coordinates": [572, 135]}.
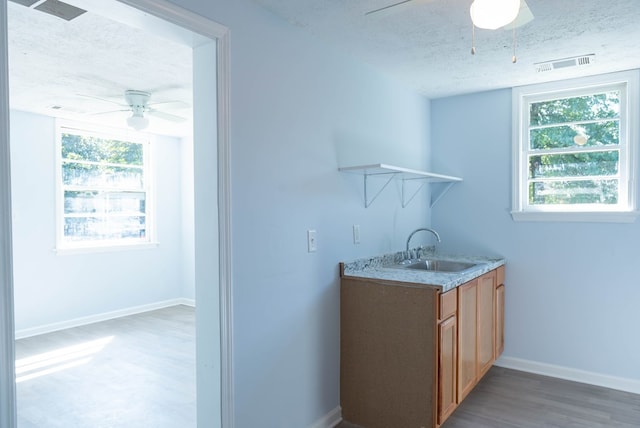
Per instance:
{"type": "Point", "coordinates": [427, 43]}
{"type": "Point", "coordinates": [84, 66]}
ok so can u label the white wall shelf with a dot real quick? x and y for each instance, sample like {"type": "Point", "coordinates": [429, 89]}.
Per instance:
{"type": "Point", "coordinates": [390, 172]}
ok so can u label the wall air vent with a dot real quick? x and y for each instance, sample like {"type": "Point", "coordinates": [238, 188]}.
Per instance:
{"type": "Point", "coordinates": [577, 61]}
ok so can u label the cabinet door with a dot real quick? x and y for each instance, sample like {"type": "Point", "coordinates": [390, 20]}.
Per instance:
{"type": "Point", "coordinates": [447, 368]}
{"type": "Point", "coordinates": [486, 322]}
{"type": "Point", "coordinates": [499, 320]}
{"type": "Point", "coordinates": [467, 337]}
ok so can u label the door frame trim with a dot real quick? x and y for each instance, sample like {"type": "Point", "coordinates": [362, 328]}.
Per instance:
{"type": "Point", "coordinates": [8, 415]}
{"type": "Point", "coordinates": [198, 24]}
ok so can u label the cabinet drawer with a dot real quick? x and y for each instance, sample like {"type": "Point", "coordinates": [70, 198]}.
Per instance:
{"type": "Point", "coordinates": [448, 304]}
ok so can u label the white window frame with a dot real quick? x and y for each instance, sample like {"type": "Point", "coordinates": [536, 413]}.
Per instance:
{"type": "Point", "coordinates": [64, 247]}
{"type": "Point", "coordinates": [522, 97]}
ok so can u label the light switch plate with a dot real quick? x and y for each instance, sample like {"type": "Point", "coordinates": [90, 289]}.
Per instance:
{"type": "Point", "coordinates": [312, 244]}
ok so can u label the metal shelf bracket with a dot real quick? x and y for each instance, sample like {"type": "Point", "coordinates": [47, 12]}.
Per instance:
{"type": "Point", "coordinates": [443, 182]}
{"type": "Point", "coordinates": [368, 201]}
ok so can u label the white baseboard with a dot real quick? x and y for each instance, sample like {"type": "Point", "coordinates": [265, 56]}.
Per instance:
{"type": "Point", "coordinates": [329, 420]}
{"type": "Point", "coordinates": [186, 302]}
{"type": "Point", "coordinates": [568, 373]}
{"type": "Point", "coordinates": [77, 322]}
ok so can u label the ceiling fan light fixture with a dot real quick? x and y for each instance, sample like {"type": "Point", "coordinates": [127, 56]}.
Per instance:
{"type": "Point", "coordinates": [138, 103]}
{"type": "Point", "coordinates": [493, 14]}
{"type": "Point", "coordinates": [137, 121]}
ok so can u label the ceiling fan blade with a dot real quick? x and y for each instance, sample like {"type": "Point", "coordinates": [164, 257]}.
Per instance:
{"type": "Point", "coordinates": [166, 116]}
{"type": "Point", "coordinates": [380, 9]}
{"type": "Point", "coordinates": [108, 112]}
{"type": "Point", "coordinates": [172, 104]}
{"type": "Point", "coordinates": [524, 17]}
{"type": "Point", "coordinates": [102, 99]}
{"type": "Point", "coordinates": [394, 8]}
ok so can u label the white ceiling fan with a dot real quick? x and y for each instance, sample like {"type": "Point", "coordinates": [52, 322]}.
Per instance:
{"type": "Point", "coordinates": [524, 15]}
{"type": "Point", "coordinates": [137, 102]}
{"type": "Point", "coordinates": [485, 14]}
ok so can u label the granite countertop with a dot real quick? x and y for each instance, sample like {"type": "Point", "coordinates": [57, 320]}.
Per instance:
{"type": "Point", "coordinates": [381, 267]}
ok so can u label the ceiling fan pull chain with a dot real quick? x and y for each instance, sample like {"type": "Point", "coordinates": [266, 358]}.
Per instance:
{"type": "Point", "coordinates": [514, 58]}
{"type": "Point", "coordinates": [473, 39]}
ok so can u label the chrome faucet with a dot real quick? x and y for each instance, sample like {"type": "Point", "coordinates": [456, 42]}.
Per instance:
{"type": "Point", "coordinates": [426, 229]}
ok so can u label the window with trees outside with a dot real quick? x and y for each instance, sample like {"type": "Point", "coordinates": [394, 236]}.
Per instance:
{"type": "Point", "coordinates": [574, 149]}
{"type": "Point", "coordinates": [103, 190]}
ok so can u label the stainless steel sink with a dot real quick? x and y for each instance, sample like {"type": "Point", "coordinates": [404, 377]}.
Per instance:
{"type": "Point", "coordinates": [435, 265]}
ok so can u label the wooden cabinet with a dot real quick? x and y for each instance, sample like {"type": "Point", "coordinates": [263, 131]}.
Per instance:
{"type": "Point", "coordinates": [448, 304]}
{"type": "Point", "coordinates": [388, 340]}
{"type": "Point", "coordinates": [409, 353]}
{"type": "Point", "coordinates": [499, 312]}
{"type": "Point", "coordinates": [447, 352]}
{"type": "Point", "coordinates": [486, 322]}
{"type": "Point", "coordinates": [467, 337]}
{"type": "Point", "coordinates": [476, 331]}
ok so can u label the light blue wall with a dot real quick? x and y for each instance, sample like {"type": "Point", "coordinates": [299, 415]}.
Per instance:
{"type": "Point", "coordinates": [572, 288]}
{"type": "Point", "coordinates": [299, 110]}
{"type": "Point", "coordinates": [51, 288]}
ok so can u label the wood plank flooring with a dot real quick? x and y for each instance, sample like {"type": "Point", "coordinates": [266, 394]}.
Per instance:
{"type": "Point", "coordinates": [134, 371]}
{"type": "Point", "coordinates": [513, 399]}
{"type": "Point", "coordinates": [139, 371]}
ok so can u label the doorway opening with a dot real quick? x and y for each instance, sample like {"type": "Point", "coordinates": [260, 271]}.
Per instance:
{"type": "Point", "coordinates": [210, 217]}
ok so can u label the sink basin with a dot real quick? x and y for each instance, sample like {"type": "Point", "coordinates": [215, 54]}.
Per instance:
{"type": "Point", "coordinates": [439, 265]}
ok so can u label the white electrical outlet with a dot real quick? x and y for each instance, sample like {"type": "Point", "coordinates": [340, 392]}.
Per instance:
{"type": "Point", "coordinates": [356, 233]}
{"type": "Point", "coordinates": [312, 244]}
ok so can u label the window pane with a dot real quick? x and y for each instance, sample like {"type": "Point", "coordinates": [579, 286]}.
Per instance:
{"type": "Point", "coordinates": [589, 107]}
{"type": "Point", "coordinates": [80, 174]}
{"type": "Point", "coordinates": [104, 192]}
{"type": "Point", "coordinates": [104, 202]}
{"type": "Point", "coordinates": [558, 137]}
{"type": "Point", "coordinates": [79, 229]}
{"type": "Point", "coordinates": [94, 149]}
{"type": "Point", "coordinates": [574, 192]}
{"type": "Point", "coordinates": [574, 164]}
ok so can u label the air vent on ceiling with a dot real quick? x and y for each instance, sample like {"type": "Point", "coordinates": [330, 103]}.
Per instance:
{"type": "Point", "coordinates": [577, 61]}
{"type": "Point", "coordinates": [25, 2]}
{"type": "Point", "coordinates": [60, 9]}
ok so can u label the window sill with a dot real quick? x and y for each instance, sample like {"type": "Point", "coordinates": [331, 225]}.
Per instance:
{"type": "Point", "coordinates": [66, 251]}
{"type": "Point", "coordinates": [585, 217]}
